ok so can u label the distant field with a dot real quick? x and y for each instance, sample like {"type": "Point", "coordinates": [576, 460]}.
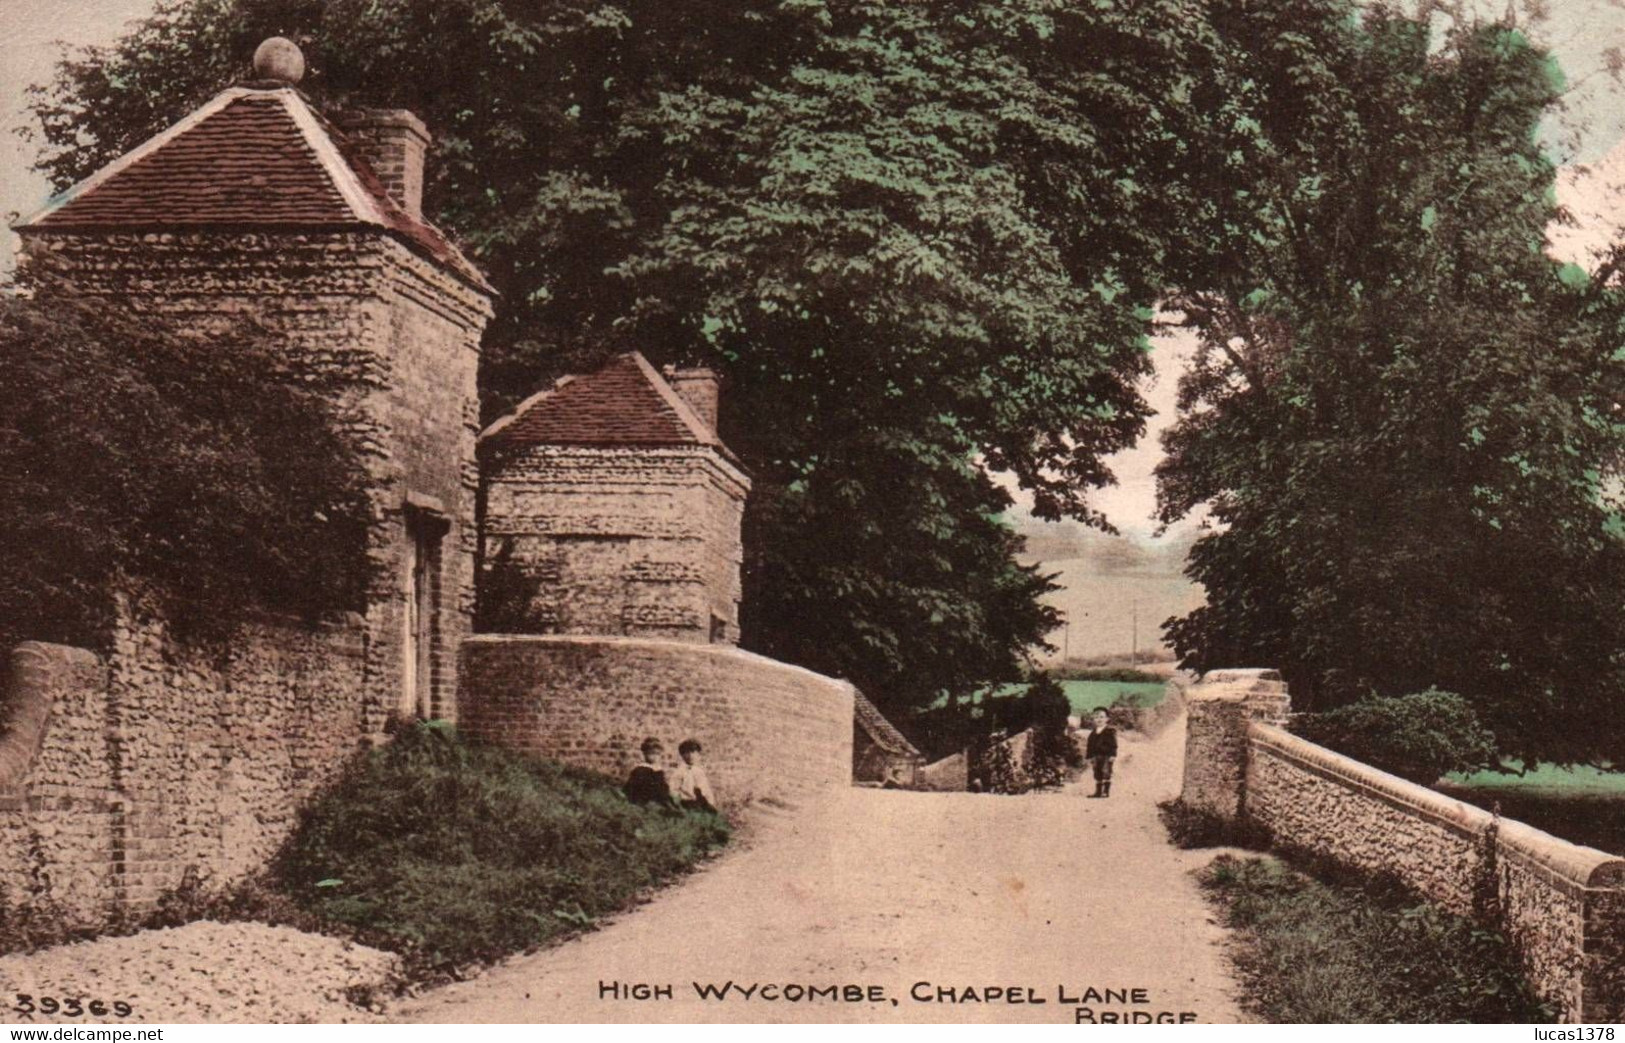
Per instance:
{"type": "Point", "coordinates": [1584, 805]}
{"type": "Point", "coordinates": [1576, 780]}
{"type": "Point", "coordinates": [1086, 695]}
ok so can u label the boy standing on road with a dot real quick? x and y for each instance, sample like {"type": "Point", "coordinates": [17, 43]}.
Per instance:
{"type": "Point", "coordinates": [1100, 751]}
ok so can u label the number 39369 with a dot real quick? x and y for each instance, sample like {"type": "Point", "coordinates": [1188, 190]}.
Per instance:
{"type": "Point", "coordinates": [72, 1007]}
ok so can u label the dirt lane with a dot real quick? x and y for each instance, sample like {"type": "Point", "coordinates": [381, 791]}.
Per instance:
{"type": "Point", "coordinates": [888, 889]}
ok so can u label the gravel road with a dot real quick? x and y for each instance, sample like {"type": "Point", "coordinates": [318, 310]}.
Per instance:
{"type": "Point", "coordinates": [200, 973]}
{"type": "Point", "coordinates": [883, 890]}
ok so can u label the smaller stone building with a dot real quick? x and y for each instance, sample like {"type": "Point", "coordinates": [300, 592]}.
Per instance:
{"type": "Point", "coordinates": [880, 753]}
{"type": "Point", "coordinates": [612, 508]}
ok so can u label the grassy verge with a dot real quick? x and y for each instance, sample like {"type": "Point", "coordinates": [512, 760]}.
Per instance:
{"type": "Point", "coordinates": [452, 854]}
{"type": "Point", "coordinates": [1357, 950]}
{"type": "Point", "coordinates": [455, 855]}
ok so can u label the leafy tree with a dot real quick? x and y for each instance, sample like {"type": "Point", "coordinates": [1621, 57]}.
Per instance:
{"type": "Point", "coordinates": [1400, 408]}
{"type": "Point", "coordinates": [921, 240]}
{"type": "Point", "coordinates": [1421, 736]}
{"type": "Point", "coordinates": [188, 469]}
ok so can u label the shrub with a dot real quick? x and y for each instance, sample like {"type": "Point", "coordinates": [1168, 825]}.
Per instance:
{"type": "Point", "coordinates": [1051, 751]}
{"type": "Point", "coordinates": [1418, 737]}
{"type": "Point", "coordinates": [998, 770]}
{"type": "Point", "coordinates": [195, 468]}
{"type": "Point", "coordinates": [450, 853]}
{"type": "Point", "coordinates": [1362, 950]}
{"type": "Point", "coordinates": [1121, 674]}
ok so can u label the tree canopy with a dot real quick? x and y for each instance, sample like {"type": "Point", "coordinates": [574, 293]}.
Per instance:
{"type": "Point", "coordinates": [922, 242]}
{"type": "Point", "coordinates": [1401, 409]}
{"type": "Point", "coordinates": [186, 471]}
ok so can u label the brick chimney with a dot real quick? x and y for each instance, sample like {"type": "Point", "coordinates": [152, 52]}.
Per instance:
{"type": "Point", "coordinates": [697, 387]}
{"type": "Point", "coordinates": [394, 143]}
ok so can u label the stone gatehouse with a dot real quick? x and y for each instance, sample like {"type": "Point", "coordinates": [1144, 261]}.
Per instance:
{"type": "Point", "coordinates": [123, 774]}
{"type": "Point", "coordinates": [613, 493]}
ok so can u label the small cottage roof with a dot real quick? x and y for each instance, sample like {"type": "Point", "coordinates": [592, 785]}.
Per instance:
{"type": "Point", "coordinates": [625, 403]}
{"type": "Point", "coordinates": [252, 158]}
{"type": "Point", "coordinates": [881, 731]}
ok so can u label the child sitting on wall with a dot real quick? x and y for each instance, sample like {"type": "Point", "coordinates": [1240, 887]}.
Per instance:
{"type": "Point", "coordinates": [692, 786]}
{"type": "Point", "coordinates": [1100, 751]}
{"type": "Point", "coordinates": [647, 783]}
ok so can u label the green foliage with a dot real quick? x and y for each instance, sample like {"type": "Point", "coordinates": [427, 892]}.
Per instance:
{"type": "Point", "coordinates": [451, 854]}
{"type": "Point", "coordinates": [921, 240]}
{"type": "Point", "coordinates": [1124, 674]}
{"type": "Point", "coordinates": [1422, 736]}
{"type": "Point", "coordinates": [1401, 411]}
{"type": "Point", "coordinates": [996, 770]}
{"type": "Point", "coordinates": [1304, 941]}
{"type": "Point", "coordinates": [1052, 752]}
{"type": "Point", "coordinates": [192, 470]}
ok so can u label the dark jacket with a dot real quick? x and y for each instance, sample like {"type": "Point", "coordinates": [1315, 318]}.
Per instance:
{"type": "Point", "coordinates": [1102, 743]}
{"type": "Point", "coordinates": [647, 785]}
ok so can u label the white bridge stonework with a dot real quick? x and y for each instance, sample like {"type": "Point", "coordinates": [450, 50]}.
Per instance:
{"type": "Point", "coordinates": [1561, 905]}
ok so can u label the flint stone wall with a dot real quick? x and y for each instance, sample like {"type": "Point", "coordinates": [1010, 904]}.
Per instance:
{"type": "Point", "coordinates": [1558, 902]}
{"type": "Point", "coordinates": [121, 776]}
{"type": "Point", "coordinates": [637, 542]}
{"type": "Point", "coordinates": [1561, 905]}
{"type": "Point", "coordinates": [770, 730]}
{"type": "Point", "coordinates": [390, 337]}
{"type": "Point", "coordinates": [1219, 710]}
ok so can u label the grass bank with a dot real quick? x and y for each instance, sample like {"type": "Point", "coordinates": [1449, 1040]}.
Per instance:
{"type": "Point", "coordinates": [454, 854]}
{"type": "Point", "coordinates": [1338, 948]}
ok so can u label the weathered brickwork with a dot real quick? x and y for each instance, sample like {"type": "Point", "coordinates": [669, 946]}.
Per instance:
{"type": "Point", "coordinates": [769, 730]}
{"type": "Point", "coordinates": [393, 337]}
{"type": "Point", "coordinates": [163, 761]}
{"type": "Point", "coordinates": [640, 542]}
{"type": "Point", "coordinates": [1561, 905]}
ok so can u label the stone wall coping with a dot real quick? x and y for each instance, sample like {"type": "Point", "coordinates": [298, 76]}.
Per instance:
{"type": "Point", "coordinates": [1580, 867]}
{"type": "Point", "coordinates": [26, 710]}
{"type": "Point", "coordinates": [1236, 686]}
{"type": "Point", "coordinates": [1236, 675]}
{"type": "Point", "coordinates": [651, 644]}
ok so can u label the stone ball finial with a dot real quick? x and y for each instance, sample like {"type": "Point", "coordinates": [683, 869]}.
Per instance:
{"type": "Point", "coordinates": [279, 58]}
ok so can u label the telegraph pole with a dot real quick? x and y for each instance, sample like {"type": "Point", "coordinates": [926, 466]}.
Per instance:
{"type": "Point", "coordinates": [1134, 646]}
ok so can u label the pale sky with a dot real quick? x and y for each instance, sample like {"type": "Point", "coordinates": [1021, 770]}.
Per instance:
{"type": "Point", "coordinates": [1579, 31]}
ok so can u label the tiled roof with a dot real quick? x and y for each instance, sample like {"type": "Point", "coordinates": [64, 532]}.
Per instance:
{"type": "Point", "coordinates": [250, 158]}
{"type": "Point", "coordinates": [626, 403]}
{"type": "Point", "coordinates": [882, 731]}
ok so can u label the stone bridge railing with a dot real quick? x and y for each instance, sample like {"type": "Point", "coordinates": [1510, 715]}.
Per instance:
{"type": "Point", "coordinates": [1561, 905]}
